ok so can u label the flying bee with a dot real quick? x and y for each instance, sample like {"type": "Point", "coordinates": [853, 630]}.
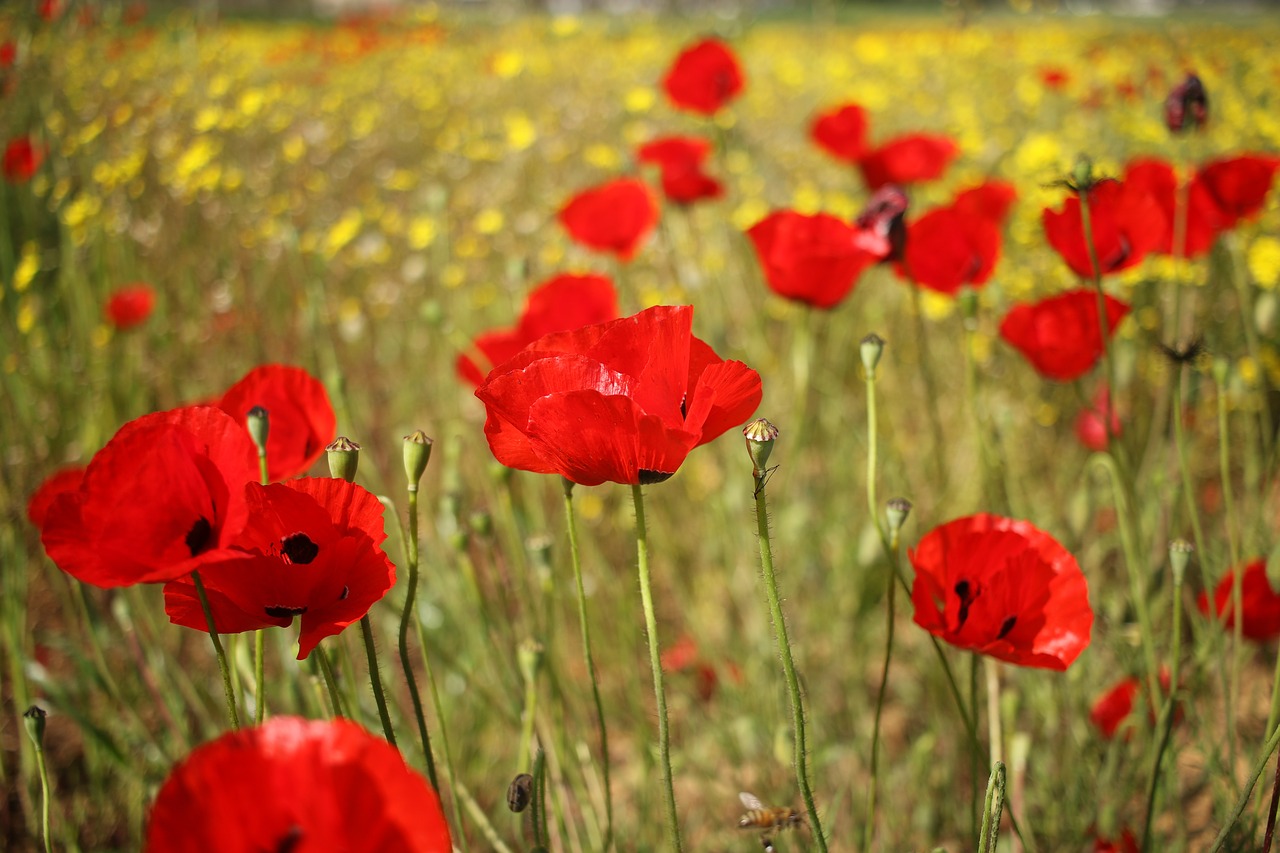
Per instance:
{"type": "Point", "coordinates": [766, 819]}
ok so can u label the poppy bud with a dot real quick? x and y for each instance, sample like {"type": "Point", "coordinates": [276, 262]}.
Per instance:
{"type": "Point", "coordinates": [760, 435]}
{"type": "Point", "coordinates": [258, 422]}
{"type": "Point", "coordinates": [1082, 179]}
{"type": "Point", "coordinates": [897, 510]}
{"type": "Point", "coordinates": [417, 453]}
{"type": "Point", "coordinates": [33, 720]}
{"type": "Point", "coordinates": [1187, 107]}
{"type": "Point", "coordinates": [529, 657]}
{"type": "Point", "coordinates": [344, 458]}
{"type": "Point", "coordinates": [870, 349]}
{"type": "Point", "coordinates": [1179, 555]}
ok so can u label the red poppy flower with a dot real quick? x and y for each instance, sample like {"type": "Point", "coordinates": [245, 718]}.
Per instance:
{"type": "Point", "coordinates": [1127, 223]}
{"type": "Point", "coordinates": [130, 306]}
{"type": "Point", "coordinates": [623, 401]}
{"type": "Point", "coordinates": [1061, 335]}
{"type": "Point", "coordinates": [21, 159]}
{"type": "Point", "coordinates": [680, 159]}
{"type": "Point", "coordinates": [311, 548]}
{"type": "Point", "coordinates": [1113, 707]}
{"type": "Point", "coordinates": [50, 10]}
{"type": "Point", "coordinates": [557, 305]}
{"type": "Point", "coordinates": [297, 785]}
{"type": "Point", "coordinates": [907, 160]}
{"type": "Point", "coordinates": [704, 77]}
{"type": "Point", "coordinates": [1239, 185]}
{"type": "Point", "coordinates": [8, 54]}
{"type": "Point", "coordinates": [163, 497]}
{"type": "Point", "coordinates": [300, 417]}
{"type": "Point", "coordinates": [614, 217]}
{"type": "Point", "coordinates": [1091, 423]}
{"type": "Point", "coordinates": [948, 248]}
{"type": "Point", "coordinates": [1126, 843]}
{"type": "Point", "coordinates": [1054, 77]}
{"type": "Point", "coordinates": [1259, 602]}
{"type": "Point", "coordinates": [60, 482]}
{"type": "Point", "coordinates": [1004, 588]}
{"type": "Point", "coordinates": [1203, 218]}
{"type": "Point", "coordinates": [812, 259]}
{"type": "Point", "coordinates": [1187, 106]}
{"type": "Point", "coordinates": [842, 132]}
{"type": "Point", "coordinates": [990, 200]}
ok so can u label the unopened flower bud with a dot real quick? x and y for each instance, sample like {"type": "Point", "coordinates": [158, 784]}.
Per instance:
{"type": "Point", "coordinates": [1082, 178]}
{"type": "Point", "coordinates": [870, 349]}
{"type": "Point", "coordinates": [344, 458]}
{"type": "Point", "coordinates": [760, 435]}
{"type": "Point", "coordinates": [1187, 107]}
{"type": "Point", "coordinates": [1179, 555]}
{"type": "Point", "coordinates": [897, 510]}
{"type": "Point", "coordinates": [417, 453]}
{"type": "Point", "coordinates": [258, 423]}
{"type": "Point", "coordinates": [33, 721]}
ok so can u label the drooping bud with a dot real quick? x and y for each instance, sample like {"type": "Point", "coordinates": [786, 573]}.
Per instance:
{"type": "Point", "coordinates": [882, 227]}
{"type": "Point", "coordinates": [896, 510]}
{"type": "Point", "coordinates": [417, 453]}
{"type": "Point", "coordinates": [258, 423]}
{"type": "Point", "coordinates": [870, 349]}
{"type": "Point", "coordinates": [33, 721]}
{"type": "Point", "coordinates": [760, 436]}
{"type": "Point", "coordinates": [1187, 107]}
{"type": "Point", "coordinates": [344, 458]}
{"type": "Point", "coordinates": [1179, 555]}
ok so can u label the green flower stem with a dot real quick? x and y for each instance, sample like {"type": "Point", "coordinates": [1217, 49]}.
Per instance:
{"type": "Point", "coordinates": [1245, 302]}
{"type": "Point", "coordinates": [1167, 713]}
{"type": "Point", "coordinates": [869, 829]}
{"type": "Point", "coordinates": [232, 714]}
{"type": "Point", "coordinates": [1103, 321]}
{"type": "Point", "coordinates": [330, 683]}
{"type": "Point", "coordinates": [572, 524]}
{"type": "Point", "coordinates": [1242, 802]}
{"type": "Point", "coordinates": [260, 635]}
{"type": "Point", "coordinates": [375, 678]}
{"type": "Point", "coordinates": [1184, 467]}
{"type": "Point", "coordinates": [529, 672]}
{"type": "Point", "coordinates": [411, 551]}
{"type": "Point", "coordinates": [45, 797]}
{"type": "Point", "coordinates": [788, 664]}
{"type": "Point", "coordinates": [930, 385]}
{"type": "Point", "coordinates": [991, 668]}
{"type": "Point", "coordinates": [460, 839]}
{"type": "Point", "coordinates": [1233, 547]}
{"type": "Point", "coordinates": [655, 664]}
{"type": "Point", "coordinates": [995, 490]}
{"type": "Point", "coordinates": [992, 809]}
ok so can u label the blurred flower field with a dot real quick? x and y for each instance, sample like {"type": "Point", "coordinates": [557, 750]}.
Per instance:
{"type": "Point", "coordinates": [185, 200]}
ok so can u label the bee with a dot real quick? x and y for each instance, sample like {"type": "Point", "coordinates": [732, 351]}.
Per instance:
{"type": "Point", "coordinates": [766, 819]}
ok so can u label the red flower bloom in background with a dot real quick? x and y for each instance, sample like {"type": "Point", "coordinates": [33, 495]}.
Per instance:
{"type": "Point", "coordinates": [1055, 77]}
{"type": "Point", "coordinates": [1114, 706]}
{"type": "Point", "coordinates": [557, 305]}
{"type": "Point", "coordinates": [8, 54]}
{"type": "Point", "coordinates": [1259, 602]}
{"type": "Point", "coordinates": [990, 200]}
{"type": "Point", "coordinates": [297, 785]}
{"type": "Point", "coordinates": [21, 159]}
{"type": "Point", "coordinates": [311, 548]}
{"type": "Point", "coordinates": [812, 259]}
{"type": "Point", "coordinates": [1003, 588]}
{"type": "Point", "coordinates": [842, 132]}
{"type": "Point", "coordinates": [907, 160]}
{"type": "Point", "coordinates": [130, 306]}
{"type": "Point", "coordinates": [613, 217]}
{"type": "Point", "coordinates": [1126, 843]}
{"type": "Point", "coordinates": [1203, 218]}
{"type": "Point", "coordinates": [62, 481]}
{"type": "Point", "coordinates": [623, 401]}
{"type": "Point", "coordinates": [1091, 423]}
{"type": "Point", "coordinates": [163, 497]}
{"type": "Point", "coordinates": [956, 245]}
{"type": "Point", "coordinates": [1187, 106]}
{"type": "Point", "coordinates": [1061, 335]}
{"type": "Point", "coordinates": [680, 159]}
{"type": "Point", "coordinates": [50, 10]}
{"type": "Point", "coordinates": [1127, 223]}
{"type": "Point", "coordinates": [301, 418]}
{"type": "Point", "coordinates": [1239, 185]}
{"type": "Point", "coordinates": [704, 77]}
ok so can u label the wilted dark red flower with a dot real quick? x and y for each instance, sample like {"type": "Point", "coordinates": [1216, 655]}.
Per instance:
{"type": "Point", "coordinates": [1259, 602]}
{"type": "Point", "coordinates": [163, 497]}
{"type": "Point", "coordinates": [842, 132]}
{"type": "Point", "coordinates": [613, 217]}
{"type": "Point", "coordinates": [1091, 423]}
{"type": "Point", "coordinates": [1238, 185]}
{"type": "Point", "coordinates": [1127, 223]}
{"type": "Point", "coordinates": [1061, 336]}
{"type": "Point", "coordinates": [21, 159]}
{"type": "Point", "coordinates": [561, 303]}
{"type": "Point", "coordinates": [882, 225]}
{"type": "Point", "coordinates": [812, 259]}
{"type": "Point", "coordinates": [623, 401]}
{"type": "Point", "coordinates": [130, 306]}
{"type": "Point", "coordinates": [680, 160]}
{"type": "Point", "coordinates": [1003, 588]}
{"type": "Point", "coordinates": [1187, 107]}
{"type": "Point", "coordinates": [62, 481]}
{"type": "Point", "coordinates": [907, 160]}
{"type": "Point", "coordinates": [296, 785]}
{"type": "Point", "coordinates": [312, 548]}
{"type": "Point", "coordinates": [300, 416]}
{"type": "Point", "coordinates": [956, 245]}
{"type": "Point", "coordinates": [1203, 218]}
{"type": "Point", "coordinates": [705, 76]}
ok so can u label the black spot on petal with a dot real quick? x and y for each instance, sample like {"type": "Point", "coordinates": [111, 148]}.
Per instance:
{"type": "Point", "coordinates": [1006, 627]}
{"type": "Point", "coordinates": [299, 548]}
{"type": "Point", "coordinates": [965, 593]}
{"type": "Point", "coordinates": [197, 538]}
{"type": "Point", "coordinates": [290, 840]}
{"type": "Point", "coordinates": [282, 611]}
{"type": "Point", "coordinates": [648, 478]}
{"type": "Point", "coordinates": [346, 590]}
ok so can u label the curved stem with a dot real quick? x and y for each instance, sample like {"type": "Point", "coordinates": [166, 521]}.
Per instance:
{"type": "Point", "coordinates": [330, 682]}
{"type": "Point", "coordinates": [655, 664]}
{"type": "Point", "coordinates": [869, 831]}
{"type": "Point", "coordinates": [375, 678]}
{"type": "Point", "coordinates": [44, 799]}
{"type": "Point", "coordinates": [411, 553]}
{"type": "Point", "coordinates": [230, 692]}
{"type": "Point", "coordinates": [1242, 802]}
{"type": "Point", "coordinates": [1167, 713]}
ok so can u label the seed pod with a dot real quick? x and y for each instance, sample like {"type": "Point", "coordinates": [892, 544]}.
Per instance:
{"type": "Point", "coordinates": [520, 792]}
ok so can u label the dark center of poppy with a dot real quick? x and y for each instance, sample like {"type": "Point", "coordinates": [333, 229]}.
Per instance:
{"type": "Point", "coordinates": [648, 478]}
{"type": "Point", "coordinates": [290, 840]}
{"type": "Point", "coordinates": [197, 538]}
{"type": "Point", "coordinates": [1006, 627]}
{"type": "Point", "coordinates": [966, 595]}
{"type": "Point", "coordinates": [299, 548]}
{"type": "Point", "coordinates": [282, 611]}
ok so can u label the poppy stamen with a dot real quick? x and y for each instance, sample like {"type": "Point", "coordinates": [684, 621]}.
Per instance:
{"type": "Point", "coordinates": [299, 548]}
{"type": "Point", "coordinates": [197, 538]}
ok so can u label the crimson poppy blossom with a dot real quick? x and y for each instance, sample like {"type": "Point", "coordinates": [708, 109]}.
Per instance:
{"type": "Point", "coordinates": [1127, 842]}
{"type": "Point", "coordinates": [815, 259]}
{"type": "Point", "coordinates": [1004, 588]}
{"type": "Point", "coordinates": [301, 418]}
{"type": "Point", "coordinates": [957, 245]}
{"type": "Point", "coordinates": [882, 226]}
{"type": "Point", "coordinates": [63, 481]}
{"type": "Point", "coordinates": [612, 217]}
{"type": "Point", "coordinates": [1126, 221]}
{"type": "Point", "coordinates": [312, 548]}
{"type": "Point", "coordinates": [1258, 601]}
{"type": "Point", "coordinates": [163, 497]}
{"type": "Point", "coordinates": [1091, 423]}
{"type": "Point", "coordinates": [298, 785]}
{"type": "Point", "coordinates": [1113, 707]}
{"type": "Point", "coordinates": [1202, 221]}
{"type": "Point", "coordinates": [561, 303]}
{"type": "Point", "coordinates": [1061, 336]}
{"type": "Point", "coordinates": [842, 132]}
{"type": "Point", "coordinates": [623, 401]}
{"type": "Point", "coordinates": [22, 158]}
{"type": "Point", "coordinates": [680, 159]}
{"type": "Point", "coordinates": [130, 306]}
{"type": "Point", "coordinates": [990, 200]}
{"type": "Point", "coordinates": [907, 159]}
{"type": "Point", "coordinates": [704, 77]}
{"type": "Point", "coordinates": [1238, 185]}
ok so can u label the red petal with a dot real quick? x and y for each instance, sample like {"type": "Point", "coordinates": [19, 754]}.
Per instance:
{"type": "Point", "coordinates": [62, 481]}
{"type": "Point", "coordinates": [726, 396]}
{"type": "Point", "coordinates": [704, 77]}
{"type": "Point", "coordinates": [842, 132]}
{"type": "Point", "coordinates": [302, 421]}
{"type": "Point", "coordinates": [907, 160]}
{"type": "Point", "coordinates": [614, 217]}
{"type": "Point", "coordinates": [811, 259]}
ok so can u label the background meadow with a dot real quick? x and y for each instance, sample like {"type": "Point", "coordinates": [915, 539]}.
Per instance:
{"type": "Point", "coordinates": [363, 198]}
